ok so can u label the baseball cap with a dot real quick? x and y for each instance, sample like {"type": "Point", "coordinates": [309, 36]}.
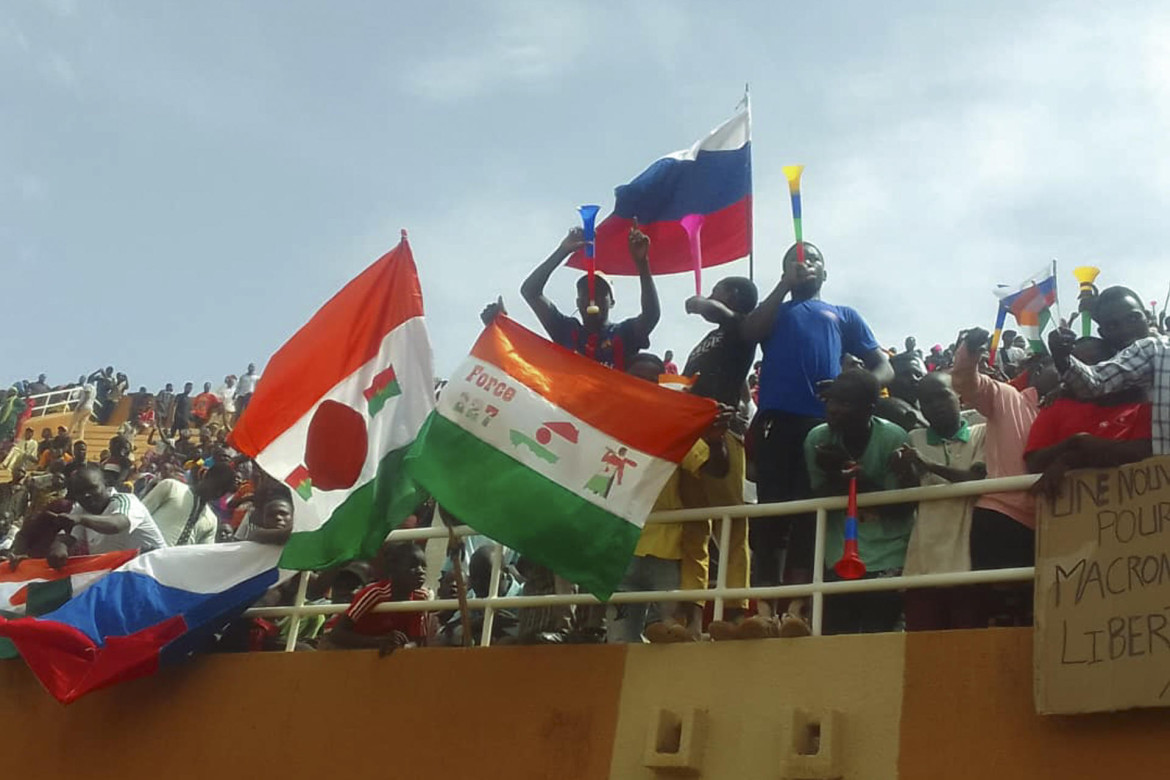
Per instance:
{"type": "Point", "coordinates": [583, 283]}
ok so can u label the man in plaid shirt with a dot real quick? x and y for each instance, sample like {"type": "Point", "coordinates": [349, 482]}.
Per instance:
{"type": "Point", "coordinates": [1144, 363]}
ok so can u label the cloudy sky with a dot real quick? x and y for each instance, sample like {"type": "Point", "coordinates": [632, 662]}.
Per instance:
{"type": "Point", "coordinates": [182, 184]}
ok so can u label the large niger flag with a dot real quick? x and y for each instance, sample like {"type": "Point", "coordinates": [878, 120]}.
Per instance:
{"type": "Point", "coordinates": [336, 409]}
{"type": "Point", "coordinates": [552, 454]}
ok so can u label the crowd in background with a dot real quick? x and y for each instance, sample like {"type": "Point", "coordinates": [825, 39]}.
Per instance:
{"type": "Point", "coordinates": [825, 406]}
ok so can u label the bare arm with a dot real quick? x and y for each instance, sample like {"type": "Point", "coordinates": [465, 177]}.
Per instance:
{"type": "Point", "coordinates": [878, 363]}
{"type": "Point", "coordinates": [712, 311]}
{"type": "Point", "coordinates": [343, 634]}
{"type": "Point", "coordinates": [103, 524]}
{"type": "Point", "coordinates": [758, 325]}
{"type": "Point", "coordinates": [640, 253]}
{"type": "Point", "coordinates": [533, 288]}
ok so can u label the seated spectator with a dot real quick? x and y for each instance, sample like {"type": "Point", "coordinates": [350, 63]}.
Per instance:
{"type": "Point", "coordinates": [118, 465]}
{"type": "Point", "coordinates": [225, 533]}
{"type": "Point", "coordinates": [504, 621]}
{"type": "Point", "coordinates": [23, 454]}
{"type": "Point", "coordinates": [349, 579]}
{"type": "Point", "coordinates": [45, 441]}
{"type": "Point", "coordinates": [80, 458]}
{"type": "Point", "coordinates": [272, 520]}
{"type": "Point", "coordinates": [403, 571]}
{"type": "Point", "coordinates": [14, 499]}
{"type": "Point", "coordinates": [855, 443]}
{"type": "Point", "coordinates": [57, 452]}
{"type": "Point", "coordinates": [8, 531]}
{"type": "Point", "coordinates": [101, 521]}
{"type": "Point", "coordinates": [143, 415]}
{"type": "Point", "coordinates": [948, 451]}
{"type": "Point", "coordinates": [184, 514]}
{"type": "Point", "coordinates": [1113, 429]}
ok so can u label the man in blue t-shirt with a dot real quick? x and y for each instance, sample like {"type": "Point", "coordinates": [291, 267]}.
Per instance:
{"type": "Point", "coordinates": [593, 335]}
{"type": "Point", "coordinates": [803, 341]}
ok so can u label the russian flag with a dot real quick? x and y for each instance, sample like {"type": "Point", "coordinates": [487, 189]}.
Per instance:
{"type": "Point", "coordinates": [156, 609]}
{"type": "Point", "coordinates": [712, 179]}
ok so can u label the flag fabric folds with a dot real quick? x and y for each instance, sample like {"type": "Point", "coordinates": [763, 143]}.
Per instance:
{"type": "Point", "coordinates": [552, 454]}
{"type": "Point", "coordinates": [155, 609]}
{"type": "Point", "coordinates": [712, 179]}
{"type": "Point", "coordinates": [1029, 302]}
{"type": "Point", "coordinates": [337, 409]}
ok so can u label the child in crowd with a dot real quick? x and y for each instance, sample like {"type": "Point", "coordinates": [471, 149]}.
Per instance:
{"type": "Point", "coordinates": [719, 365]}
{"type": "Point", "coordinates": [402, 569]}
{"type": "Point", "coordinates": [674, 555]}
{"type": "Point", "coordinates": [949, 450]}
{"type": "Point", "coordinates": [855, 443]}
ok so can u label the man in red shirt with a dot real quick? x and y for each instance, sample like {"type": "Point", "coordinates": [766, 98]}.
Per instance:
{"type": "Point", "coordinates": [403, 568]}
{"type": "Point", "coordinates": [1072, 434]}
{"type": "Point", "coordinates": [204, 404]}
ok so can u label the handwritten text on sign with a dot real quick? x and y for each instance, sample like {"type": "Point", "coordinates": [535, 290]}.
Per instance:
{"type": "Point", "coordinates": [1103, 591]}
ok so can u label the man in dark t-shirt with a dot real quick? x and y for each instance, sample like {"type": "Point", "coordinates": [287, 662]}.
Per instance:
{"type": "Point", "coordinates": [593, 335]}
{"type": "Point", "coordinates": [719, 365]}
{"type": "Point", "coordinates": [182, 417]}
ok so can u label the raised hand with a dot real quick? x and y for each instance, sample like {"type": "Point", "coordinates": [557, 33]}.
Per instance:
{"type": "Point", "coordinates": [639, 245]}
{"type": "Point", "coordinates": [1060, 344]}
{"type": "Point", "coordinates": [573, 240]}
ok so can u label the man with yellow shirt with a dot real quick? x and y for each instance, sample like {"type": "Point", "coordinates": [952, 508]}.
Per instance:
{"type": "Point", "coordinates": [669, 556]}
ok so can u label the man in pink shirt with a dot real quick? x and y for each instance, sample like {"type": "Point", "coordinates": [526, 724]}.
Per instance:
{"type": "Point", "coordinates": [1002, 526]}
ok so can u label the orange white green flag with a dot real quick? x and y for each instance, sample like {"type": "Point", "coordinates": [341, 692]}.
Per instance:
{"type": "Point", "coordinates": [336, 410]}
{"type": "Point", "coordinates": [553, 454]}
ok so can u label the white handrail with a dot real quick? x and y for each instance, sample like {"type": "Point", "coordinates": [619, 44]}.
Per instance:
{"type": "Point", "coordinates": [817, 589]}
{"type": "Point", "coordinates": [69, 401]}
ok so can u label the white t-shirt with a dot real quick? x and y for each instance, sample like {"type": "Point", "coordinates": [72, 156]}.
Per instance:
{"type": "Point", "coordinates": [227, 397]}
{"type": "Point", "coordinates": [88, 394]}
{"type": "Point", "coordinates": [170, 503]}
{"type": "Point", "coordinates": [247, 384]}
{"type": "Point", "coordinates": [143, 534]}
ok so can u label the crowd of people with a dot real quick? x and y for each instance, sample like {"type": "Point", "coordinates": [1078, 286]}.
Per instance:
{"type": "Point", "coordinates": [825, 407]}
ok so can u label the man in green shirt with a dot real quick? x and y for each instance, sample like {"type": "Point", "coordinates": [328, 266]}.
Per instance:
{"type": "Point", "coordinates": [853, 441]}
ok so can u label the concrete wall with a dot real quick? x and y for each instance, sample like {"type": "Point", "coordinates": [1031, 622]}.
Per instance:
{"type": "Point", "coordinates": [947, 705]}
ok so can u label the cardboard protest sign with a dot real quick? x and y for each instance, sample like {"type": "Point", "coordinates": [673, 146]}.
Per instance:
{"type": "Point", "coordinates": [1102, 638]}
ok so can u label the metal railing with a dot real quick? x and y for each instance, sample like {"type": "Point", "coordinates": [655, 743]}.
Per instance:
{"type": "Point", "coordinates": [59, 400]}
{"type": "Point", "coordinates": [817, 589]}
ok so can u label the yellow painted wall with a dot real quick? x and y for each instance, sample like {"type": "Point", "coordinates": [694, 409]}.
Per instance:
{"type": "Point", "coordinates": [442, 713]}
{"type": "Point", "coordinates": [937, 706]}
{"type": "Point", "coordinates": [750, 689]}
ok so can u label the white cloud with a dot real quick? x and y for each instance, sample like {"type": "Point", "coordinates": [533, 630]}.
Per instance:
{"type": "Point", "coordinates": [524, 43]}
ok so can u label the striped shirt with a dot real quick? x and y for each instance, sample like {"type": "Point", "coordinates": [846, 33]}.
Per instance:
{"type": "Point", "coordinates": [142, 535]}
{"type": "Point", "coordinates": [1145, 363]}
{"type": "Point", "coordinates": [370, 623]}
